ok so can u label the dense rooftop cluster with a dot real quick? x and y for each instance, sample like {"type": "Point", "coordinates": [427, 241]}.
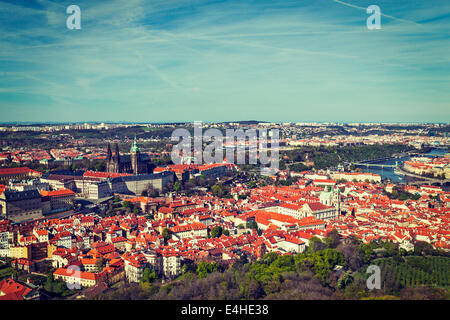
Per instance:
{"type": "Point", "coordinates": [279, 219]}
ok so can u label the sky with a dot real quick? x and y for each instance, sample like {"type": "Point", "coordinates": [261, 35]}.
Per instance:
{"type": "Point", "coordinates": [188, 60]}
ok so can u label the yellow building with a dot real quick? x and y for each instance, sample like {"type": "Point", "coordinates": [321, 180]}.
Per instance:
{"type": "Point", "coordinates": [20, 252]}
{"type": "Point", "coordinates": [50, 249]}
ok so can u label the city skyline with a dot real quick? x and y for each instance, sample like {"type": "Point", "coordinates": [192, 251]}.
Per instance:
{"type": "Point", "coordinates": [162, 122]}
{"type": "Point", "coordinates": [215, 61]}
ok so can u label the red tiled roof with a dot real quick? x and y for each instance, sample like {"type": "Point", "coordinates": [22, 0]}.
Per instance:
{"type": "Point", "coordinates": [73, 273]}
{"type": "Point", "coordinates": [95, 174]}
{"type": "Point", "coordinates": [13, 290]}
{"type": "Point", "coordinates": [189, 227]}
{"type": "Point", "coordinates": [317, 206]}
{"type": "Point", "coordinates": [324, 181]}
{"type": "Point", "coordinates": [311, 221]}
{"type": "Point", "coordinates": [19, 170]}
{"type": "Point", "coordinates": [58, 193]}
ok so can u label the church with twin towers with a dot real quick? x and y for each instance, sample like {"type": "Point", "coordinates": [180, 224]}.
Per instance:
{"type": "Point", "coordinates": [134, 163]}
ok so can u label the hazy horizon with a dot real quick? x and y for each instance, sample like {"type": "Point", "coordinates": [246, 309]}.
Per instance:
{"type": "Point", "coordinates": [216, 122]}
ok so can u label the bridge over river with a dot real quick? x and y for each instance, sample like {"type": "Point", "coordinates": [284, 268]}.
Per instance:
{"type": "Point", "coordinates": [373, 163]}
{"type": "Point", "coordinates": [399, 170]}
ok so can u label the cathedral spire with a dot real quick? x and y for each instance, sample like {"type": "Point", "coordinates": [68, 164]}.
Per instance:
{"type": "Point", "coordinates": [134, 147]}
{"type": "Point", "coordinates": [109, 152]}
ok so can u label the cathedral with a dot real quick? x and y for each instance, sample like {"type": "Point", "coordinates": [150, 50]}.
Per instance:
{"type": "Point", "coordinates": [135, 162]}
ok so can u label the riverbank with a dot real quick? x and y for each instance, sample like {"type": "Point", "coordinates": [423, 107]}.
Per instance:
{"type": "Point", "coordinates": [402, 171]}
{"type": "Point", "coordinates": [389, 174]}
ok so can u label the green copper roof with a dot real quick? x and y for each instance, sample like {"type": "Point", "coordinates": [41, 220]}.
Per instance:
{"type": "Point", "coordinates": [134, 147]}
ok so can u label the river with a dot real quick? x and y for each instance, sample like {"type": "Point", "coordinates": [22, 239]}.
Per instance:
{"type": "Point", "coordinates": [388, 173]}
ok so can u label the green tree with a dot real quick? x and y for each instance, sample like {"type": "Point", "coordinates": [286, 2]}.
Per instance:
{"type": "Point", "coordinates": [100, 166]}
{"type": "Point", "coordinates": [167, 234]}
{"type": "Point", "coordinates": [315, 244]}
{"type": "Point", "coordinates": [177, 186]}
{"type": "Point", "coordinates": [149, 275]}
{"type": "Point", "coordinates": [332, 240]}
{"type": "Point", "coordinates": [126, 204]}
{"type": "Point", "coordinates": [423, 248]}
{"type": "Point", "coordinates": [216, 232]}
{"type": "Point", "coordinates": [252, 224]}
{"type": "Point", "coordinates": [100, 264]}
{"type": "Point", "coordinates": [203, 268]}
{"type": "Point", "coordinates": [394, 194]}
{"type": "Point", "coordinates": [217, 190]}
{"type": "Point", "coordinates": [345, 280]}
{"type": "Point", "coordinates": [367, 252]}
{"type": "Point", "coordinates": [188, 267]}
{"type": "Point", "coordinates": [270, 257]}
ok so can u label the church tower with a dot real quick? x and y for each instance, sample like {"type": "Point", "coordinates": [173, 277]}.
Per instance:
{"type": "Point", "coordinates": [116, 160]}
{"type": "Point", "coordinates": [109, 152]}
{"type": "Point", "coordinates": [108, 158]}
{"type": "Point", "coordinates": [135, 157]}
{"type": "Point", "coordinates": [337, 201]}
